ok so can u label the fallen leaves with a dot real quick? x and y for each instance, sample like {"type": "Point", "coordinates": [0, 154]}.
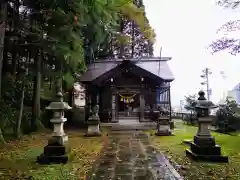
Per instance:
{"type": "Point", "coordinates": [17, 159]}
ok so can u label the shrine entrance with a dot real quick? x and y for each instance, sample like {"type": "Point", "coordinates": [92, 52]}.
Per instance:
{"type": "Point", "coordinates": [128, 104]}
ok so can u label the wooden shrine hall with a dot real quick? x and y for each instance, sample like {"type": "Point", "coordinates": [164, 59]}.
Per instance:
{"type": "Point", "coordinates": [128, 87]}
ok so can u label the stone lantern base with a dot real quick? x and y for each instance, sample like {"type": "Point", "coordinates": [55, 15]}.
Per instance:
{"type": "Point", "coordinates": [164, 127]}
{"type": "Point", "coordinates": [204, 147]}
{"type": "Point", "coordinates": [54, 153]}
{"type": "Point", "coordinates": [206, 153]}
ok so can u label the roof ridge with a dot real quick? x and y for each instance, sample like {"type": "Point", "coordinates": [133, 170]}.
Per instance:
{"type": "Point", "coordinates": [142, 59]}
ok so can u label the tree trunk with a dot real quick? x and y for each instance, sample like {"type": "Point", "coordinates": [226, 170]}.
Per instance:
{"type": "Point", "coordinates": [36, 92]}
{"type": "Point", "coordinates": [19, 122]}
{"type": "Point", "coordinates": [14, 62]}
{"type": "Point", "coordinates": [5, 66]}
{"type": "Point", "coordinates": [191, 120]}
{"type": "Point", "coordinates": [3, 17]}
{"type": "Point", "coordinates": [121, 53]}
{"type": "Point", "coordinates": [2, 140]}
{"type": "Point", "coordinates": [50, 82]}
{"type": "Point", "coordinates": [15, 26]}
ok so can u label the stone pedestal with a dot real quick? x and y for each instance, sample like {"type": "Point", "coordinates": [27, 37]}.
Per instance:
{"type": "Point", "coordinates": [93, 124]}
{"type": "Point", "coordinates": [58, 133]}
{"type": "Point", "coordinates": [204, 147]}
{"type": "Point", "coordinates": [163, 126]}
{"type": "Point", "coordinates": [93, 129]}
{"type": "Point", "coordinates": [55, 151]}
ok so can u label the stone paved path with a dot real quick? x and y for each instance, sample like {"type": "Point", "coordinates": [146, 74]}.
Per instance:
{"type": "Point", "coordinates": [129, 156]}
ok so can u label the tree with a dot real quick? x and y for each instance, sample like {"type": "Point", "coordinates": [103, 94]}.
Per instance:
{"type": "Point", "coordinates": [226, 115]}
{"type": "Point", "coordinates": [229, 3]}
{"type": "Point", "coordinates": [53, 41]}
{"type": "Point", "coordinates": [190, 105]}
{"type": "Point", "coordinates": [138, 37]}
{"type": "Point", "coordinates": [226, 43]}
{"type": "Point", "coordinates": [189, 100]}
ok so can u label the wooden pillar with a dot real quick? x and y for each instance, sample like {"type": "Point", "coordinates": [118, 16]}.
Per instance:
{"type": "Point", "coordinates": [97, 98]}
{"type": "Point", "coordinates": [113, 101]}
{"type": "Point", "coordinates": [116, 104]}
{"type": "Point", "coordinates": [169, 101]}
{"type": "Point", "coordinates": [166, 99]}
{"type": "Point", "coordinates": [142, 100]}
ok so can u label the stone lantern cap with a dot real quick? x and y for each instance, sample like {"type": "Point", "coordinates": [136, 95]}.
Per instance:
{"type": "Point", "coordinates": [203, 103]}
{"type": "Point", "coordinates": [59, 104]}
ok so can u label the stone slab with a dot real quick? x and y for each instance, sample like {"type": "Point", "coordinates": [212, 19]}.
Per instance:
{"type": "Point", "coordinates": [164, 133]}
{"type": "Point", "coordinates": [210, 158]}
{"type": "Point", "coordinates": [204, 141]}
{"type": "Point", "coordinates": [53, 154]}
{"type": "Point", "coordinates": [205, 150]}
{"type": "Point", "coordinates": [43, 159]}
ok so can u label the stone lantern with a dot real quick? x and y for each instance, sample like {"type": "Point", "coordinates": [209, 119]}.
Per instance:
{"type": "Point", "coordinates": [55, 151]}
{"type": "Point", "coordinates": [204, 146]}
{"type": "Point", "coordinates": [164, 124]}
{"type": "Point", "coordinates": [93, 123]}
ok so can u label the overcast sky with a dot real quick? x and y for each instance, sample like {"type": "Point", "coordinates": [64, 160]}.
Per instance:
{"type": "Point", "coordinates": [184, 29]}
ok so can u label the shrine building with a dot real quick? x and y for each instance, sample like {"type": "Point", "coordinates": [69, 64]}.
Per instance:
{"type": "Point", "coordinates": [128, 87]}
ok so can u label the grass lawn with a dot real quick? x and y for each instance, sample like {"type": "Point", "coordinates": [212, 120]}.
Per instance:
{"type": "Point", "coordinates": [17, 159]}
{"type": "Point", "coordinates": [174, 149]}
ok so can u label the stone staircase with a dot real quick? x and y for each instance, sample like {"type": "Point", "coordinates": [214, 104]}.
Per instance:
{"type": "Point", "coordinates": [129, 123]}
{"type": "Point", "coordinates": [125, 116]}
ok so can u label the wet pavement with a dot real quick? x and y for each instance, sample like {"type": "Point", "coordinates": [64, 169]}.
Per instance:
{"type": "Point", "coordinates": [130, 156]}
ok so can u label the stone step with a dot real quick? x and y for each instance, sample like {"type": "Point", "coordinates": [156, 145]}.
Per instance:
{"type": "Point", "coordinates": [131, 127]}
{"type": "Point", "coordinates": [129, 117]}
{"type": "Point", "coordinates": [125, 113]}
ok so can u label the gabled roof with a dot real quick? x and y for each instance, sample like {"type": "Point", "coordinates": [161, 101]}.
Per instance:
{"type": "Point", "coordinates": [150, 64]}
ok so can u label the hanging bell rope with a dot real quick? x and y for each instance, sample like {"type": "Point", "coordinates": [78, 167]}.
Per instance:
{"type": "Point", "coordinates": [127, 99]}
